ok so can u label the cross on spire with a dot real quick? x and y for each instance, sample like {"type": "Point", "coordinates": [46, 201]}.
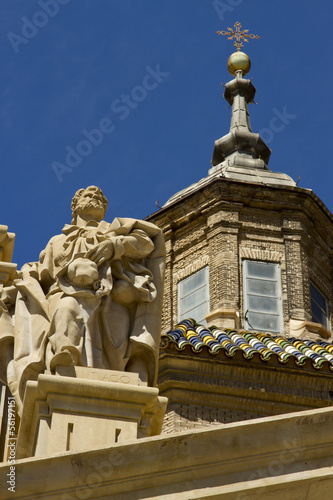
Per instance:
{"type": "Point", "coordinates": [238, 35]}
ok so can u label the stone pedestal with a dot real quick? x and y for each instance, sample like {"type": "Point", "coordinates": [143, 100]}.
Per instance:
{"type": "Point", "coordinates": [84, 408]}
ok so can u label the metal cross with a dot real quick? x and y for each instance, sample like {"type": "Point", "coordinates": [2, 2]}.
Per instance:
{"type": "Point", "coordinates": [238, 35]}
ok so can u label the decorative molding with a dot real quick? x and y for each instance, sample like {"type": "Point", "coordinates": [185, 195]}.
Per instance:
{"type": "Point", "coordinates": [191, 268]}
{"type": "Point", "coordinates": [263, 255]}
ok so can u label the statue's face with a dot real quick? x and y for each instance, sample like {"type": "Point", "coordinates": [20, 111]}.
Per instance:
{"type": "Point", "coordinates": [91, 203]}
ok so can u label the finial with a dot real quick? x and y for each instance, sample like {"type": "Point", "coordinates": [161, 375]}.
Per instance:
{"type": "Point", "coordinates": [238, 60]}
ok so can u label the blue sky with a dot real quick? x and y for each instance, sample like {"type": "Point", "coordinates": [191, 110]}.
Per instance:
{"type": "Point", "coordinates": [148, 74]}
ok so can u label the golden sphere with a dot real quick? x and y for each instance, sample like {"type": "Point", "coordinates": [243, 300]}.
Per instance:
{"type": "Point", "coordinates": [239, 60]}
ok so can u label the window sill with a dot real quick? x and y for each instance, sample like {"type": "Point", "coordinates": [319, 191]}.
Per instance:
{"type": "Point", "coordinates": [317, 328]}
{"type": "Point", "coordinates": [223, 318]}
{"type": "Point", "coordinates": [301, 329]}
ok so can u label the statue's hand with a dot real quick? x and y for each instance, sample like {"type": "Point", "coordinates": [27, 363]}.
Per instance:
{"type": "Point", "coordinates": [103, 252]}
{"type": "Point", "coordinates": [83, 273]}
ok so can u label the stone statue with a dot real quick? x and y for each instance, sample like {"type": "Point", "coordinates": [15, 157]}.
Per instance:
{"type": "Point", "coordinates": [93, 299]}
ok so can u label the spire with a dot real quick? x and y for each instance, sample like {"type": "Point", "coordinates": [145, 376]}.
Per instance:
{"type": "Point", "coordinates": [240, 147]}
{"type": "Point", "coordinates": [241, 155]}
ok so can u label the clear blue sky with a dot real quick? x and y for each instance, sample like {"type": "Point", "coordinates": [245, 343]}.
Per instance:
{"type": "Point", "coordinates": [71, 73]}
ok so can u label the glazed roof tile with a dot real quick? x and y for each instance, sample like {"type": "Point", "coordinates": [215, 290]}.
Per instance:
{"type": "Point", "coordinates": [197, 337]}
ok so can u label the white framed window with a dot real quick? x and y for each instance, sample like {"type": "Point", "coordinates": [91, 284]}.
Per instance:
{"type": "Point", "coordinates": [319, 307]}
{"type": "Point", "coordinates": [262, 296]}
{"type": "Point", "coordinates": [193, 296]}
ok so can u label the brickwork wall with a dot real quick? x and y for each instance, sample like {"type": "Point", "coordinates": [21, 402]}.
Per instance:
{"type": "Point", "coordinates": [182, 417]}
{"type": "Point", "coordinates": [224, 274]}
{"type": "Point", "coordinates": [296, 302]}
{"type": "Point", "coordinates": [216, 266]}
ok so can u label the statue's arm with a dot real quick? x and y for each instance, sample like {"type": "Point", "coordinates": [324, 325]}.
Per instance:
{"type": "Point", "coordinates": [135, 245]}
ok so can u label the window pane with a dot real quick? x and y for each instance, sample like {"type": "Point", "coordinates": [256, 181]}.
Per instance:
{"type": "Point", "coordinates": [262, 287]}
{"type": "Point", "coordinates": [265, 322]}
{"type": "Point", "coordinates": [318, 316]}
{"type": "Point", "coordinates": [261, 270]}
{"type": "Point", "coordinates": [263, 304]}
{"type": "Point", "coordinates": [319, 307]}
{"type": "Point", "coordinates": [318, 297]}
{"type": "Point", "coordinates": [262, 296]}
{"type": "Point", "coordinates": [192, 283]}
{"type": "Point", "coordinates": [193, 299]}
{"type": "Point", "coordinates": [198, 313]}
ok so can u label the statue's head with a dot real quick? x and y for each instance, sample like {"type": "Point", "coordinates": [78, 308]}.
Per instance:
{"type": "Point", "coordinates": [89, 201]}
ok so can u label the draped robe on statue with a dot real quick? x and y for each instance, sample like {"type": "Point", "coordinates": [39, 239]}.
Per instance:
{"type": "Point", "coordinates": [105, 323]}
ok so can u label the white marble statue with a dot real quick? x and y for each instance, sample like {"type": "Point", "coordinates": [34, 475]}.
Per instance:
{"type": "Point", "coordinates": [93, 299]}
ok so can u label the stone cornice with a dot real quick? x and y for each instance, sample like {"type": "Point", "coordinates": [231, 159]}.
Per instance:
{"type": "Point", "coordinates": [240, 457]}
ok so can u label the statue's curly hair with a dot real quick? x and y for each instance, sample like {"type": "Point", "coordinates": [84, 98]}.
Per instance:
{"type": "Point", "coordinates": [77, 196]}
